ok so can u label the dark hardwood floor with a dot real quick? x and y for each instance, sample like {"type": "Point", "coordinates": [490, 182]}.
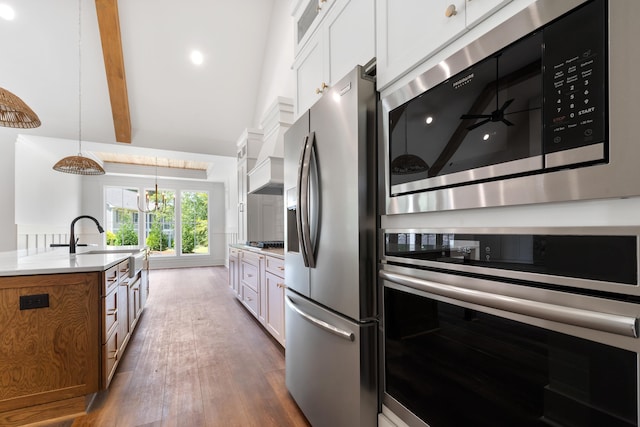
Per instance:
{"type": "Point", "coordinates": [197, 358]}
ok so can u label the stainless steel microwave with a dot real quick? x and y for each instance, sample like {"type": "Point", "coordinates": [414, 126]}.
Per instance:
{"type": "Point", "coordinates": [543, 108]}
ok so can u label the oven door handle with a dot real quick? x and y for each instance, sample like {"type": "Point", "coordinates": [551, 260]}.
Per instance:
{"type": "Point", "coordinates": [613, 323]}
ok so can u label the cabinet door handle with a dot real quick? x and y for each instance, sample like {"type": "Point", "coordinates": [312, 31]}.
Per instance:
{"type": "Point", "coordinates": [247, 298]}
{"type": "Point", "coordinates": [281, 285]}
{"type": "Point", "coordinates": [249, 275]}
{"type": "Point", "coordinates": [321, 89]}
{"type": "Point", "coordinates": [112, 312]}
{"type": "Point", "coordinates": [450, 11]}
{"type": "Point", "coordinates": [281, 268]}
{"type": "Point", "coordinates": [319, 7]}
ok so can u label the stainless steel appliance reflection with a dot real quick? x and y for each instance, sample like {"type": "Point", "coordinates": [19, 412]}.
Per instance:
{"type": "Point", "coordinates": [330, 257]}
{"type": "Point", "coordinates": [497, 321]}
{"type": "Point", "coordinates": [536, 110]}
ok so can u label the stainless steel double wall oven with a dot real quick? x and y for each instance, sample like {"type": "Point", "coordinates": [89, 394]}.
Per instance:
{"type": "Point", "coordinates": [512, 327]}
{"type": "Point", "coordinates": [518, 326]}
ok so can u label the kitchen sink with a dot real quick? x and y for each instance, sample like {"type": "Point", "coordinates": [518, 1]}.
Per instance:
{"type": "Point", "coordinates": [109, 251]}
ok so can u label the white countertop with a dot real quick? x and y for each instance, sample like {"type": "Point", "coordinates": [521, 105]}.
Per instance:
{"type": "Point", "coordinates": [59, 260]}
{"type": "Point", "coordinates": [274, 252]}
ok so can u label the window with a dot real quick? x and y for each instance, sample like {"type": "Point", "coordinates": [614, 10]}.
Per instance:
{"type": "Point", "coordinates": [194, 219]}
{"type": "Point", "coordinates": [160, 224]}
{"type": "Point", "coordinates": [121, 216]}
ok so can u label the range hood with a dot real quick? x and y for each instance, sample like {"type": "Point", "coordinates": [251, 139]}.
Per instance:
{"type": "Point", "coordinates": [267, 177]}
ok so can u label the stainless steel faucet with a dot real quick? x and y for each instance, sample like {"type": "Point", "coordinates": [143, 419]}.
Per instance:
{"type": "Point", "coordinates": [72, 240]}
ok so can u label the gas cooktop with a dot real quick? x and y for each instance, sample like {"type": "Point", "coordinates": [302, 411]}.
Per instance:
{"type": "Point", "coordinates": [267, 244]}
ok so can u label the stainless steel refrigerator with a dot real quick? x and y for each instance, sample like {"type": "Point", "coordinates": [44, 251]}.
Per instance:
{"type": "Point", "coordinates": [330, 256]}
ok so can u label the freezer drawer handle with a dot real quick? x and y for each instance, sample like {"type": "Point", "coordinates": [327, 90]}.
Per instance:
{"type": "Point", "coordinates": [606, 322]}
{"type": "Point", "coordinates": [321, 323]}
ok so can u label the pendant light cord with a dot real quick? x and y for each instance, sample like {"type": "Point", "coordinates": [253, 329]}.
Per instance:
{"type": "Point", "coordinates": [80, 77]}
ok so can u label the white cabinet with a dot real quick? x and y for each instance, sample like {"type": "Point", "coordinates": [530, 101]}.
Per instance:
{"type": "Point", "coordinates": [251, 272]}
{"type": "Point", "coordinates": [274, 298]}
{"type": "Point", "coordinates": [248, 147]}
{"type": "Point", "coordinates": [234, 268]}
{"type": "Point", "coordinates": [258, 283]}
{"type": "Point", "coordinates": [310, 75]}
{"type": "Point", "coordinates": [345, 37]}
{"type": "Point", "coordinates": [477, 10]}
{"type": "Point", "coordinates": [411, 31]}
{"type": "Point", "coordinates": [307, 15]}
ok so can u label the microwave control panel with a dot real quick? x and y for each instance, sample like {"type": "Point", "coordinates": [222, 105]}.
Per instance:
{"type": "Point", "coordinates": [575, 84]}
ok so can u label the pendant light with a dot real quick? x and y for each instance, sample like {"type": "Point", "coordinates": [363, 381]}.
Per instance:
{"type": "Point", "coordinates": [407, 164]}
{"type": "Point", "coordinates": [14, 113]}
{"type": "Point", "coordinates": [156, 206]}
{"type": "Point", "coordinates": [79, 164]}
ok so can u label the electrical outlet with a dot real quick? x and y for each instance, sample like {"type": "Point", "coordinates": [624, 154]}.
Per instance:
{"type": "Point", "coordinates": [28, 302]}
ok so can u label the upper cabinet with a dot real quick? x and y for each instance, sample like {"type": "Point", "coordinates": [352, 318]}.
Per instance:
{"type": "Point", "coordinates": [341, 37]}
{"type": "Point", "coordinates": [307, 15]}
{"type": "Point", "coordinates": [410, 31]}
{"type": "Point", "coordinates": [477, 10]}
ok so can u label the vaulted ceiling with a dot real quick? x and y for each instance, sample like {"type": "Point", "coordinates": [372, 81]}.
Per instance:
{"type": "Point", "coordinates": [51, 56]}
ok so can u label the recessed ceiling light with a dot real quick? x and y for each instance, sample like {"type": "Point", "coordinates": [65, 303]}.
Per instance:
{"type": "Point", "coordinates": [196, 57]}
{"type": "Point", "coordinates": [429, 120]}
{"type": "Point", "coordinates": [7, 12]}
{"type": "Point", "coordinates": [486, 137]}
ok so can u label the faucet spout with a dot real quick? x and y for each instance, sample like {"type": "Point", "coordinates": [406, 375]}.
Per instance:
{"type": "Point", "coordinates": [72, 234]}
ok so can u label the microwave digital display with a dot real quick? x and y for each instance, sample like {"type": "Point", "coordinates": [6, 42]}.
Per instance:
{"type": "Point", "coordinates": [517, 112]}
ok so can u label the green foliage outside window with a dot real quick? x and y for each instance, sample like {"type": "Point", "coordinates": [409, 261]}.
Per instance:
{"type": "Point", "coordinates": [157, 240]}
{"type": "Point", "coordinates": [126, 234]}
{"type": "Point", "coordinates": [195, 227]}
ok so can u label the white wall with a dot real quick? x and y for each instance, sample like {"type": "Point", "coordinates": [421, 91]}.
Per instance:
{"type": "Point", "coordinates": [7, 191]}
{"type": "Point", "coordinates": [45, 200]}
{"type": "Point", "coordinates": [278, 79]}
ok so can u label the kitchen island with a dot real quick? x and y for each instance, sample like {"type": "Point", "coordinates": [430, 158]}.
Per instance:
{"type": "Point", "coordinates": [66, 319]}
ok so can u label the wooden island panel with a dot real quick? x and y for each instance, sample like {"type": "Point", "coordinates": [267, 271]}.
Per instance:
{"type": "Point", "coordinates": [49, 356]}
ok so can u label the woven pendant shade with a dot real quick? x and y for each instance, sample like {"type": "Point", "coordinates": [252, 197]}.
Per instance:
{"type": "Point", "coordinates": [14, 113]}
{"type": "Point", "coordinates": [78, 165]}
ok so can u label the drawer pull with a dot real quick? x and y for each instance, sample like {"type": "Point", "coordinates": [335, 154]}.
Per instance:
{"type": "Point", "coordinates": [281, 268]}
{"type": "Point", "coordinates": [112, 312]}
{"type": "Point", "coordinates": [247, 298]}
{"type": "Point", "coordinates": [112, 279]}
{"type": "Point", "coordinates": [249, 275]}
{"type": "Point", "coordinates": [281, 285]}
{"type": "Point", "coordinates": [113, 355]}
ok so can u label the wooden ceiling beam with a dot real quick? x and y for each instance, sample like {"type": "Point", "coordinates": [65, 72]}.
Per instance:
{"type": "Point", "coordinates": [109, 23]}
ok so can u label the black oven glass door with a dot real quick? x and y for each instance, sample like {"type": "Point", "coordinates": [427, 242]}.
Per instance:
{"type": "Point", "coordinates": [489, 114]}
{"type": "Point", "coordinates": [454, 366]}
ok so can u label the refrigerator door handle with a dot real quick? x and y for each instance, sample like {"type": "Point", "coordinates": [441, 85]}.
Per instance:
{"type": "Point", "coordinates": [299, 203]}
{"type": "Point", "coordinates": [349, 336]}
{"type": "Point", "coordinates": [304, 230]}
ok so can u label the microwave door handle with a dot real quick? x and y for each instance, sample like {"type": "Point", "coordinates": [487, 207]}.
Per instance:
{"type": "Point", "coordinates": [303, 199]}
